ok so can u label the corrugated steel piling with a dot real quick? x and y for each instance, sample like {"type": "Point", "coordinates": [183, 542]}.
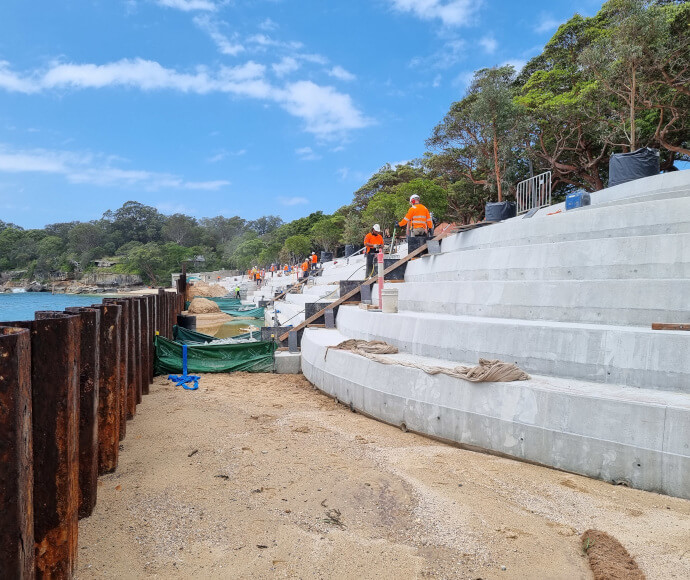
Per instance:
{"type": "Point", "coordinates": [16, 456]}
{"type": "Point", "coordinates": [89, 376]}
{"type": "Point", "coordinates": [109, 387]}
{"type": "Point", "coordinates": [55, 427]}
{"type": "Point", "coordinates": [151, 329]}
{"type": "Point", "coordinates": [142, 366]}
{"type": "Point", "coordinates": [125, 350]}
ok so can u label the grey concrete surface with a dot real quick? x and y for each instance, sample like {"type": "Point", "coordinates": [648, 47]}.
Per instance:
{"type": "Point", "coordinates": [616, 434]}
{"type": "Point", "coordinates": [632, 356]}
{"type": "Point", "coordinates": [636, 302]}
{"type": "Point", "coordinates": [287, 363]}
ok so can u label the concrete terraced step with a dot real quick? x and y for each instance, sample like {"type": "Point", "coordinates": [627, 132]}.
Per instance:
{"type": "Point", "coordinates": [657, 256]}
{"type": "Point", "coordinates": [654, 217]}
{"type": "Point", "coordinates": [611, 432]}
{"type": "Point", "coordinates": [625, 355]}
{"type": "Point", "coordinates": [612, 302]}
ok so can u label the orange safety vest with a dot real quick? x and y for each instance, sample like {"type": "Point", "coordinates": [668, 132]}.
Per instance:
{"type": "Point", "coordinates": [305, 266]}
{"type": "Point", "coordinates": [314, 259]}
{"type": "Point", "coordinates": [374, 240]}
{"type": "Point", "coordinates": [419, 217]}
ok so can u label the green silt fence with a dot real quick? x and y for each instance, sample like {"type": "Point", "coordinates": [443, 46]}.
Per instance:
{"type": "Point", "coordinates": [186, 336]}
{"type": "Point", "coordinates": [252, 357]}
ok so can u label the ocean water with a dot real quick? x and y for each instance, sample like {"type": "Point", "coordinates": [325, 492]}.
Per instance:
{"type": "Point", "coordinates": [22, 305]}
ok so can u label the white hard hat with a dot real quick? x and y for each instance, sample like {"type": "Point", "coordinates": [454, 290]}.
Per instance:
{"type": "Point", "coordinates": [415, 196]}
{"type": "Point", "coordinates": [377, 228]}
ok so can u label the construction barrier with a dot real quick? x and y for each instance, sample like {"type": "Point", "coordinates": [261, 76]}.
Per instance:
{"type": "Point", "coordinates": [68, 383]}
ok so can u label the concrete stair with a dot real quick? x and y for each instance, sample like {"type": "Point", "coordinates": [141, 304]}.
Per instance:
{"type": "Point", "coordinates": [619, 434]}
{"type": "Point", "coordinates": [570, 299]}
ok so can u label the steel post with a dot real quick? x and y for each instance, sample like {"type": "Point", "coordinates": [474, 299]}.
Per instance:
{"type": "Point", "coordinates": [55, 431]}
{"type": "Point", "coordinates": [109, 387]}
{"type": "Point", "coordinates": [125, 350]}
{"type": "Point", "coordinates": [16, 456]}
{"type": "Point", "coordinates": [89, 373]}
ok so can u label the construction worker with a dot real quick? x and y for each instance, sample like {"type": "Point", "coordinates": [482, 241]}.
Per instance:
{"type": "Point", "coordinates": [373, 241]}
{"type": "Point", "coordinates": [237, 291]}
{"type": "Point", "coordinates": [314, 260]}
{"type": "Point", "coordinates": [418, 219]}
{"type": "Point", "coordinates": [305, 268]}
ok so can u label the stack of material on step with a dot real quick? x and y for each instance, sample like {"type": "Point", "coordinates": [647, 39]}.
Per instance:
{"type": "Point", "coordinates": [203, 306]}
{"type": "Point", "coordinates": [570, 298]}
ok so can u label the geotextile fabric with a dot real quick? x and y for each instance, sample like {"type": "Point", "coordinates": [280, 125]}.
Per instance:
{"type": "Point", "coordinates": [252, 357]}
{"type": "Point", "coordinates": [186, 336]}
{"type": "Point", "coordinates": [487, 371]}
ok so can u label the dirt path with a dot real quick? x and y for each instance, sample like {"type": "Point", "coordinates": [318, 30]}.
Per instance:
{"type": "Point", "coordinates": [261, 476]}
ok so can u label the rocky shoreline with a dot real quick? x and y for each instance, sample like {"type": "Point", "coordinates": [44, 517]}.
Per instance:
{"type": "Point", "coordinates": [65, 287]}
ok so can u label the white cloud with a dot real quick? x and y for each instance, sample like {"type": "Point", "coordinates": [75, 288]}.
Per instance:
{"type": "Point", "coordinates": [450, 12]}
{"type": "Point", "coordinates": [517, 63]}
{"type": "Point", "coordinates": [449, 55]}
{"type": "Point", "coordinates": [189, 5]}
{"type": "Point", "coordinates": [286, 66]}
{"type": "Point", "coordinates": [307, 154]}
{"type": "Point", "coordinates": [225, 46]}
{"type": "Point", "coordinates": [340, 73]}
{"type": "Point", "coordinates": [343, 172]}
{"type": "Point", "coordinates": [489, 44]}
{"type": "Point", "coordinates": [225, 154]}
{"type": "Point", "coordinates": [546, 23]}
{"type": "Point", "coordinates": [293, 200]}
{"type": "Point", "coordinates": [86, 168]}
{"type": "Point", "coordinates": [268, 25]}
{"type": "Point", "coordinates": [324, 110]}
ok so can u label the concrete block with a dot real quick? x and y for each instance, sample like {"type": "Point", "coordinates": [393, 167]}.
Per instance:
{"type": "Point", "coordinates": [349, 285]}
{"type": "Point", "coordinates": [287, 363]}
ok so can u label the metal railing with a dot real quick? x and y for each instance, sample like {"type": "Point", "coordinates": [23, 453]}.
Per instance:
{"type": "Point", "coordinates": [534, 192]}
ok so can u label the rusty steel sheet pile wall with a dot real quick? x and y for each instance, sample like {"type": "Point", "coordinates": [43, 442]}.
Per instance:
{"type": "Point", "coordinates": [125, 350]}
{"type": "Point", "coordinates": [109, 387]}
{"type": "Point", "coordinates": [16, 455]}
{"type": "Point", "coordinates": [68, 383]}
{"type": "Point", "coordinates": [55, 346]}
{"type": "Point", "coordinates": [89, 376]}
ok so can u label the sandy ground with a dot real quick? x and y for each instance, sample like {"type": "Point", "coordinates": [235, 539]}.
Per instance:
{"type": "Point", "coordinates": [262, 476]}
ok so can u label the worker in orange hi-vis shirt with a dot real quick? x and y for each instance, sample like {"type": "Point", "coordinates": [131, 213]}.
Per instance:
{"type": "Point", "coordinates": [314, 260]}
{"type": "Point", "coordinates": [373, 241]}
{"type": "Point", "coordinates": [418, 219]}
{"type": "Point", "coordinates": [305, 268]}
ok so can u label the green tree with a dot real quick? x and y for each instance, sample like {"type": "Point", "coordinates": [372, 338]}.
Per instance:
{"type": "Point", "coordinates": [181, 229]}
{"type": "Point", "coordinates": [385, 180]}
{"type": "Point", "coordinates": [134, 221]}
{"type": "Point", "coordinates": [385, 209]}
{"type": "Point", "coordinates": [353, 229]}
{"type": "Point", "coordinates": [247, 253]}
{"type": "Point", "coordinates": [432, 195]}
{"type": "Point", "coordinates": [297, 247]}
{"type": "Point", "coordinates": [327, 233]}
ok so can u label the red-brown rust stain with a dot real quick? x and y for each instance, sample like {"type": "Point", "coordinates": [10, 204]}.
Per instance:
{"type": "Point", "coordinates": [16, 454]}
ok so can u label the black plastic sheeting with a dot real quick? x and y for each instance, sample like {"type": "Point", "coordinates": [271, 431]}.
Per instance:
{"type": "Point", "coordinates": [499, 211]}
{"type": "Point", "coordinates": [624, 167]}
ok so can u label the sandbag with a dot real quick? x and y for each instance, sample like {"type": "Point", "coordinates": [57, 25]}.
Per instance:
{"type": "Point", "coordinates": [624, 167]}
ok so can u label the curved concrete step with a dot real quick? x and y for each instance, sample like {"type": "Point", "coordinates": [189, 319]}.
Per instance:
{"type": "Point", "coordinates": [613, 302]}
{"type": "Point", "coordinates": [657, 256]}
{"type": "Point", "coordinates": [612, 433]}
{"type": "Point", "coordinates": [653, 217]}
{"type": "Point", "coordinates": [631, 356]}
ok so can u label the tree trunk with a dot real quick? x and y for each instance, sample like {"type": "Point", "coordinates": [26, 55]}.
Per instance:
{"type": "Point", "coordinates": [496, 167]}
{"type": "Point", "coordinates": [633, 92]}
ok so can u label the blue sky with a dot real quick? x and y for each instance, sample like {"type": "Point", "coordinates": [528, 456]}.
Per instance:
{"type": "Point", "coordinates": [234, 107]}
